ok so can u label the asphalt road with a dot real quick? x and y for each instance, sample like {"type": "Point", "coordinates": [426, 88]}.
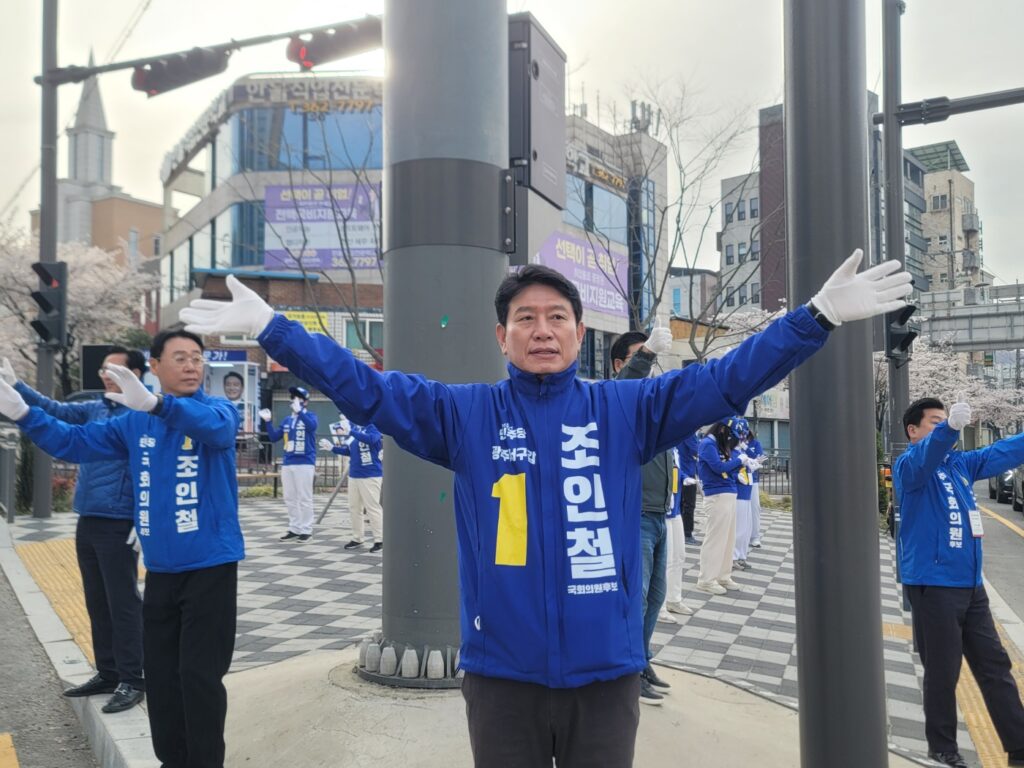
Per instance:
{"type": "Point", "coordinates": [45, 730]}
{"type": "Point", "coordinates": [1004, 550]}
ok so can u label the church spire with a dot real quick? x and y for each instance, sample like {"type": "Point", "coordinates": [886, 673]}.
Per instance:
{"type": "Point", "coordinates": [90, 143]}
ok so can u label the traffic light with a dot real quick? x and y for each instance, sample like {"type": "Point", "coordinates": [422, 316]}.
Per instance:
{"type": "Point", "coordinates": [52, 298]}
{"type": "Point", "coordinates": [179, 69]}
{"type": "Point", "coordinates": [898, 334]}
{"type": "Point", "coordinates": [345, 40]}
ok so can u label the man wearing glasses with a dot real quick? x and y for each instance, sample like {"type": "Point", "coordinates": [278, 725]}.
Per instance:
{"type": "Point", "coordinates": [107, 559]}
{"type": "Point", "coordinates": [180, 450]}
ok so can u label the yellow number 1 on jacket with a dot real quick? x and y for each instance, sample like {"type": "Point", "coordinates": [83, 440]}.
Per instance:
{"type": "Point", "coordinates": [510, 490]}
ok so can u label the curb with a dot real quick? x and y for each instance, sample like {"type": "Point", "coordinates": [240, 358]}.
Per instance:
{"type": "Point", "coordinates": [118, 741]}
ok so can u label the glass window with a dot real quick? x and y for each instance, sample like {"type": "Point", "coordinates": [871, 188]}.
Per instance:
{"type": "Point", "coordinates": [743, 295]}
{"type": "Point", "coordinates": [730, 299]}
{"type": "Point", "coordinates": [755, 293]}
{"type": "Point", "coordinates": [728, 213]}
{"type": "Point", "coordinates": [376, 333]}
{"type": "Point", "coordinates": [755, 250]}
{"type": "Point", "coordinates": [677, 301]}
{"type": "Point", "coordinates": [940, 202]}
{"type": "Point", "coordinates": [755, 209]}
{"type": "Point", "coordinates": [202, 254]}
{"type": "Point", "coordinates": [741, 210]}
{"type": "Point", "coordinates": [166, 278]}
{"type": "Point", "coordinates": [609, 217]}
{"type": "Point", "coordinates": [729, 254]}
{"type": "Point", "coordinates": [742, 252]}
{"type": "Point", "coordinates": [575, 212]}
{"type": "Point", "coordinates": [180, 281]}
{"type": "Point", "coordinates": [133, 244]}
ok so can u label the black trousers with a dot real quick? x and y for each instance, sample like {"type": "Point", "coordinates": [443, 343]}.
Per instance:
{"type": "Point", "coordinates": [951, 624]}
{"type": "Point", "coordinates": [189, 638]}
{"type": "Point", "coordinates": [523, 725]}
{"type": "Point", "coordinates": [688, 503]}
{"type": "Point", "coordinates": [110, 580]}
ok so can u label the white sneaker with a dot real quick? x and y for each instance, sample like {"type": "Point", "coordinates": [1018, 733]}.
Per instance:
{"type": "Point", "coordinates": [711, 587]}
{"type": "Point", "coordinates": [729, 584]}
{"type": "Point", "coordinates": [681, 608]}
{"type": "Point", "coordinates": [756, 543]}
{"type": "Point", "coordinates": [664, 617]}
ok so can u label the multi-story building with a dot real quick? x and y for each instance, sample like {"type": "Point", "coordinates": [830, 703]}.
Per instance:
{"type": "Point", "coordinates": [692, 292]}
{"type": "Point", "coordinates": [950, 224]}
{"type": "Point", "coordinates": [91, 209]}
{"type": "Point", "coordinates": [741, 273]}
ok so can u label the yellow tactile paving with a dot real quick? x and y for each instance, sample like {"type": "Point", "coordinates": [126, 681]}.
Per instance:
{"type": "Point", "coordinates": [8, 757]}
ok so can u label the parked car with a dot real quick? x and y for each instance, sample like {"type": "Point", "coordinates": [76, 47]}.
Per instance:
{"type": "Point", "coordinates": [1000, 487]}
{"type": "Point", "coordinates": [1017, 489]}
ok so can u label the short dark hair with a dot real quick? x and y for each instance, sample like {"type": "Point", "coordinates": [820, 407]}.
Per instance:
{"type": "Point", "coordinates": [620, 349]}
{"type": "Point", "coordinates": [535, 274]}
{"type": "Point", "coordinates": [161, 339]}
{"type": "Point", "coordinates": [234, 375]}
{"type": "Point", "coordinates": [134, 359]}
{"type": "Point", "coordinates": [915, 412]}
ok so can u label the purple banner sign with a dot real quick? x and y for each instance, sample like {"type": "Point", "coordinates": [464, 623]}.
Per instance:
{"type": "Point", "coordinates": [309, 222]}
{"type": "Point", "coordinates": [600, 276]}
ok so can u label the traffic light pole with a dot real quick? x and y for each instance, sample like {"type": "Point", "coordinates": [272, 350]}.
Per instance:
{"type": "Point", "coordinates": [42, 464]}
{"type": "Point", "coordinates": [835, 533]}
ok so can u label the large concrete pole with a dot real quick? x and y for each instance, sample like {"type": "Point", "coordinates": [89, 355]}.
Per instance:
{"type": "Point", "coordinates": [445, 145]}
{"type": "Point", "coordinates": [839, 626]}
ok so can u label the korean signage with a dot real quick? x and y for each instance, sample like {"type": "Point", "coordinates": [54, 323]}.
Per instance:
{"type": "Point", "coordinates": [310, 222]}
{"type": "Point", "coordinates": [601, 277]}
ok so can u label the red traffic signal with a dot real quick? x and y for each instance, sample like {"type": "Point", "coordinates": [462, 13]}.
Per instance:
{"type": "Point", "coordinates": [348, 39]}
{"type": "Point", "coordinates": [51, 298]}
{"type": "Point", "coordinates": [179, 69]}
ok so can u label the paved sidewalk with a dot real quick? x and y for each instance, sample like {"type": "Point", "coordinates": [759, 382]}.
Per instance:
{"type": "Point", "coordinates": [306, 600]}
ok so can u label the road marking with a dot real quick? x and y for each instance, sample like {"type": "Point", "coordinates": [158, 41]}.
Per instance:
{"type": "Point", "coordinates": [999, 518]}
{"type": "Point", "coordinates": [8, 757]}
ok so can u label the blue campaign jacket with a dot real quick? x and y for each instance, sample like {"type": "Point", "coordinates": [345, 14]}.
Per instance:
{"type": "Point", "coordinates": [364, 452]}
{"type": "Point", "coordinates": [688, 456]}
{"type": "Point", "coordinates": [547, 484]}
{"type": "Point", "coordinates": [934, 486]}
{"type": "Point", "coordinates": [299, 432]}
{"type": "Point", "coordinates": [182, 464]}
{"type": "Point", "coordinates": [716, 475]}
{"type": "Point", "coordinates": [744, 482]}
{"type": "Point", "coordinates": [755, 449]}
{"type": "Point", "coordinates": [103, 488]}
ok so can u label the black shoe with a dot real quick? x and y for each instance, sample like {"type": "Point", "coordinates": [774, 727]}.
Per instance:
{"type": "Point", "coordinates": [1016, 757]}
{"type": "Point", "coordinates": [652, 677]}
{"type": "Point", "coordinates": [377, 547]}
{"type": "Point", "coordinates": [289, 536]}
{"type": "Point", "coordinates": [354, 544]}
{"type": "Point", "coordinates": [648, 695]}
{"type": "Point", "coordinates": [304, 536]}
{"type": "Point", "coordinates": [953, 758]}
{"type": "Point", "coordinates": [125, 697]}
{"type": "Point", "coordinates": [92, 687]}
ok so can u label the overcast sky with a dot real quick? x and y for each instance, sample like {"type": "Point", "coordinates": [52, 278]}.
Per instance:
{"type": "Point", "coordinates": [729, 52]}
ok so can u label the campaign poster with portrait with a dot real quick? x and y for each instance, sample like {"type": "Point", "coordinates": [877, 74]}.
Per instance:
{"type": "Point", "coordinates": [239, 383]}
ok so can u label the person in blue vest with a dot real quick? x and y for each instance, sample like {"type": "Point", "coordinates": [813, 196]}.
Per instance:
{"type": "Point", "coordinates": [756, 452]}
{"type": "Point", "coordinates": [299, 468]}
{"type": "Point", "coordinates": [744, 491]}
{"type": "Point", "coordinates": [688, 484]}
{"type": "Point", "coordinates": [675, 540]}
{"type": "Point", "coordinates": [939, 550]}
{"type": "Point", "coordinates": [180, 448]}
{"type": "Point", "coordinates": [547, 486]}
{"type": "Point", "coordinates": [104, 535]}
{"type": "Point", "coordinates": [365, 475]}
{"type": "Point", "coordinates": [717, 467]}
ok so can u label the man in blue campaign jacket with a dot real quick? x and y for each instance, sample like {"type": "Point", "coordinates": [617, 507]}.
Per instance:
{"type": "Point", "coordinates": [365, 475]}
{"type": "Point", "coordinates": [547, 484]}
{"type": "Point", "coordinates": [940, 563]}
{"type": "Point", "coordinates": [688, 483]}
{"type": "Point", "coordinates": [107, 559]}
{"type": "Point", "coordinates": [180, 448]}
{"type": "Point", "coordinates": [299, 468]}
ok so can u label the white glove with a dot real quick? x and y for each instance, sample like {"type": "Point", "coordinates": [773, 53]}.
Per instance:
{"type": "Point", "coordinates": [296, 405]}
{"type": "Point", "coordinates": [753, 465]}
{"type": "Point", "coordinates": [265, 414]}
{"type": "Point", "coordinates": [12, 405]}
{"type": "Point", "coordinates": [133, 392]}
{"type": "Point", "coordinates": [850, 296]}
{"type": "Point", "coordinates": [745, 460]}
{"type": "Point", "coordinates": [742, 445]}
{"type": "Point", "coordinates": [959, 415]}
{"type": "Point", "coordinates": [660, 340]}
{"type": "Point", "coordinates": [325, 444]}
{"type": "Point", "coordinates": [689, 481]}
{"type": "Point", "coordinates": [133, 541]}
{"type": "Point", "coordinates": [7, 372]}
{"type": "Point", "coordinates": [245, 313]}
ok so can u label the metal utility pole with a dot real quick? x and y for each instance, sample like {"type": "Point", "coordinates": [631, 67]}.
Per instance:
{"type": "Point", "coordinates": [42, 464]}
{"type": "Point", "coordinates": [445, 148]}
{"type": "Point", "coordinates": [838, 608]}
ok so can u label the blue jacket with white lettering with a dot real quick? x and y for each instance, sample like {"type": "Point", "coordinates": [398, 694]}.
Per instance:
{"type": "Point", "coordinates": [547, 484]}
{"type": "Point", "coordinates": [182, 465]}
{"type": "Point", "coordinates": [103, 488]}
{"type": "Point", "coordinates": [935, 488]}
{"type": "Point", "coordinates": [299, 432]}
{"type": "Point", "coordinates": [364, 452]}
